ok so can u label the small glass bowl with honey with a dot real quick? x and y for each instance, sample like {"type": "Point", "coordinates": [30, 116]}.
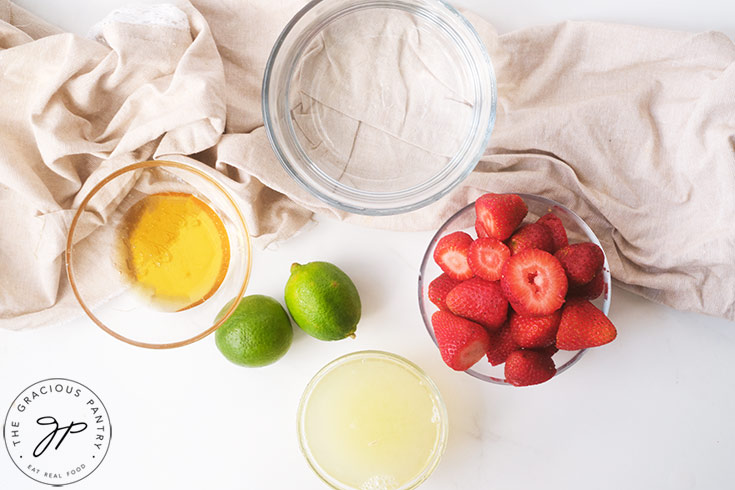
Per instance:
{"type": "Point", "coordinates": [155, 251]}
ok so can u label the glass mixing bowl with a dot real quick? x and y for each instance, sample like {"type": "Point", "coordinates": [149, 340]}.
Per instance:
{"type": "Point", "coordinates": [379, 107]}
{"type": "Point", "coordinates": [93, 262]}
{"type": "Point", "coordinates": [464, 220]}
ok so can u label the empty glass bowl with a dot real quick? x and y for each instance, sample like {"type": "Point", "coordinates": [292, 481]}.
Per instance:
{"type": "Point", "coordinates": [464, 220]}
{"type": "Point", "coordinates": [95, 269]}
{"type": "Point", "coordinates": [379, 107]}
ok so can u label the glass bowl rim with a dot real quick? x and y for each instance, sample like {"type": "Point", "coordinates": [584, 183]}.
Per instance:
{"type": "Point", "coordinates": [404, 363]}
{"type": "Point", "coordinates": [434, 181]}
{"type": "Point", "coordinates": [442, 229]}
{"type": "Point", "coordinates": [69, 256]}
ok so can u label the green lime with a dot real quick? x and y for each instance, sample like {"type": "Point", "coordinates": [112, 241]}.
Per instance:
{"type": "Point", "coordinates": [323, 300]}
{"type": "Point", "coordinates": [257, 333]}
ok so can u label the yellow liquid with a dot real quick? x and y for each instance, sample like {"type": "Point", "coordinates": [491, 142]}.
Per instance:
{"type": "Point", "coordinates": [174, 249]}
{"type": "Point", "coordinates": [373, 424]}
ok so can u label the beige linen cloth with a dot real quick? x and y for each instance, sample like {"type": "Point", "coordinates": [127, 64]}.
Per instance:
{"type": "Point", "coordinates": [633, 128]}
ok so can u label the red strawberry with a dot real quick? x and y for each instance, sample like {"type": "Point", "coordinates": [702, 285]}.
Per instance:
{"type": "Point", "coordinates": [486, 258]}
{"type": "Point", "coordinates": [591, 290]}
{"type": "Point", "coordinates": [461, 342]}
{"type": "Point", "coordinates": [479, 229]}
{"type": "Point", "coordinates": [480, 301]}
{"type": "Point", "coordinates": [581, 261]}
{"type": "Point", "coordinates": [527, 367]}
{"type": "Point", "coordinates": [438, 289]}
{"type": "Point", "coordinates": [534, 282]}
{"type": "Point", "coordinates": [533, 332]}
{"type": "Point", "coordinates": [556, 227]}
{"type": "Point", "coordinates": [500, 214]}
{"type": "Point", "coordinates": [531, 235]}
{"type": "Point", "coordinates": [501, 344]}
{"type": "Point", "coordinates": [451, 255]}
{"type": "Point", "coordinates": [582, 325]}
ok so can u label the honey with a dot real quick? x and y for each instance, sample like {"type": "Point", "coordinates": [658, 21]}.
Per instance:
{"type": "Point", "coordinates": [174, 249]}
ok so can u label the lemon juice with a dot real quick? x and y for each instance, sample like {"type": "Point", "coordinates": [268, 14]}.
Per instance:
{"type": "Point", "coordinates": [372, 421]}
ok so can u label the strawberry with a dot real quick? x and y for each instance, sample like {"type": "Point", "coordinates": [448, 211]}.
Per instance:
{"type": "Point", "coordinates": [527, 367]}
{"type": "Point", "coordinates": [534, 331]}
{"type": "Point", "coordinates": [531, 235]}
{"type": "Point", "coordinates": [438, 289]}
{"type": "Point", "coordinates": [500, 214]}
{"type": "Point", "coordinates": [590, 291]}
{"type": "Point", "coordinates": [581, 261]}
{"type": "Point", "coordinates": [582, 325]}
{"type": "Point", "coordinates": [501, 344]}
{"type": "Point", "coordinates": [534, 282]}
{"type": "Point", "coordinates": [556, 227]}
{"type": "Point", "coordinates": [486, 258]}
{"type": "Point", "coordinates": [480, 301]}
{"type": "Point", "coordinates": [451, 255]}
{"type": "Point", "coordinates": [480, 229]}
{"type": "Point", "coordinates": [461, 342]}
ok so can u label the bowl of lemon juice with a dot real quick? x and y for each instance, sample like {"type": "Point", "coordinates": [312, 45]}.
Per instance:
{"type": "Point", "coordinates": [372, 420]}
{"type": "Point", "coordinates": [155, 251]}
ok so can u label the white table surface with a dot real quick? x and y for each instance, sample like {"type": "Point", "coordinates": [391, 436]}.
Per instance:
{"type": "Point", "coordinates": [653, 410]}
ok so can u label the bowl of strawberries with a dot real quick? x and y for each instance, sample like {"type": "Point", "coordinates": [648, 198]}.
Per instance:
{"type": "Point", "coordinates": [513, 289]}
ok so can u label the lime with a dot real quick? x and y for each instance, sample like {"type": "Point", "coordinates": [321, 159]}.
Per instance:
{"type": "Point", "coordinates": [323, 300]}
{"type": "Point", "coordinates": [257, 333]}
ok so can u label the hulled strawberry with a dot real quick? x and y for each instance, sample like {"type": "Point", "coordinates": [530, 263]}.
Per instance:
{"type": "Point", "coordinates": [501, 345]}
{"type": "Point", "coordinates": [581, 261]}
{"type": "Point", "coordinates": [556, 227]}
{"type": "Point", "coordinates": [486, 258]}
{"type": "Point", "coordinates": [438, 289]}
{"type": "Point", "coordinates": [480, 301]}
{"type": "Point", "coordinates": [534, 282]}
{"type": "Point", "coordinates": [461, 342]}
{"type": "Point", "coordinates": [533, 332]}
{"type": "Point", "coordinates": [527, 367]}
{"type": "Point", "coordinates": [500, 214]}
{"type": "Point", "coordinates": [582, 325]}
{"type": "Point", "coordinates": [529, 236]}
{"type": "Point", "coordinates": [450, 255]}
